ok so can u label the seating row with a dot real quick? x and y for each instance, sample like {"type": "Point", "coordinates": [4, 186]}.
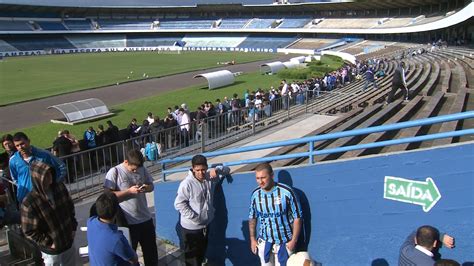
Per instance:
{"type": "Point", "coordinates": [438, 85]}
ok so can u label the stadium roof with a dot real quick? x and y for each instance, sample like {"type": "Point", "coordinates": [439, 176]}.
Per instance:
{"type": "Point", "coordinates": [324, 4]}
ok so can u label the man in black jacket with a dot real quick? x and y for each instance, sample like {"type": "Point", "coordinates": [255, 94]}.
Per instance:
{"type": "Point", "coordinates": [112, 132]}
{"type": "Point", "coordinates": [62, 146]}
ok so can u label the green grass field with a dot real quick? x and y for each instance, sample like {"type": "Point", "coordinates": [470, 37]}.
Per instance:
{"type": "Point", "coordinates": [26, 78]}
{"type": "Point", "coordinates": [42, 135]}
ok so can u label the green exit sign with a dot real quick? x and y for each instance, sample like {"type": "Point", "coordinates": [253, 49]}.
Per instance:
{"type": "Point", "coordinates": [424, 193]}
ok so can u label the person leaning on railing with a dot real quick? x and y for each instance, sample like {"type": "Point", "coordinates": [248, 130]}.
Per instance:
{"type": "Point", "coordinates": [421, 246]}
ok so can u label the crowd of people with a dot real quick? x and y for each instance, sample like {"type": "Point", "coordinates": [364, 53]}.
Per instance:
{"type": "Point", "coordinates": [34, 180]}
{"type": "Point", "coordinates": [180, 126]}
{"type": "Point", "coordinates": [47, 216]}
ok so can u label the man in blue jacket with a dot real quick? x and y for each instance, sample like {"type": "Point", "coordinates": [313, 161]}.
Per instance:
{"type": "Point", "coordinates": [370, 77]}
{"type": "Point", "coordinates": [20, 164]}
{"type": "Point", "coordinates": [421, 246]}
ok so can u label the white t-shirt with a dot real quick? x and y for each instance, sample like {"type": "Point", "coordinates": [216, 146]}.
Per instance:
{"type": "Point", "coordinates": [151, 120]}
{"type": "Point", "coordinates": [284, 90]}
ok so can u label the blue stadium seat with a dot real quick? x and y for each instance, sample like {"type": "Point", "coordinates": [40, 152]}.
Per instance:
{"type": "Point", "coordinates": [151, 41]}
{"type": "Point", "coordinates": [78, 24]}
{"type": "Point", "coordinates": [233, 23]}
{"type": "Point", "coordinates": [269, 42]}
{"type": "Point", "coordinates": [125, 24]}
{"type": "Point", "coordinates": [51, 25]}
{"type": "Point", "coordinates": [186, 24]}
{"type": "Point", "coordinates": [31, 42]}
{"type": "Point", "coordinates": [97, 41]}
{"type": "Point", "coordinates": [14, 26]}
{"type": "Point", "coordinates": [294, 22]}
{"type": "Point", "coordinates": [258, 23]}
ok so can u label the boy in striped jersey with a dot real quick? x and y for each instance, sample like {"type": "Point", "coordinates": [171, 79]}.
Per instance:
{"type": "Point", "coordinates": [279, 215]}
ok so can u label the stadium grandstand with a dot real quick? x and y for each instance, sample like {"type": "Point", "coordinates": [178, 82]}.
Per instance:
{"type": "Point", "coordinates": [338, 148]}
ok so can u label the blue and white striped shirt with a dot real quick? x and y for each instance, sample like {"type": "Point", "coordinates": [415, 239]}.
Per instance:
{"type": "Point", "coordinates": [275, 211]}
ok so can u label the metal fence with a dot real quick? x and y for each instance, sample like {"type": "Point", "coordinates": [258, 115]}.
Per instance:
{"type": "Point", "coordinates": [311, 153]}
{"type": "Point", "coordinates": [87, 169]}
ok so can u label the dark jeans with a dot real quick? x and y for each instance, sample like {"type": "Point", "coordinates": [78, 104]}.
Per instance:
{"type": "Point", "coordinates": [10, 217]}
{"type": "Point", "coordinates": [395, 87]}
{"type": "Point", "coordinates": [144, 234]}
{"type": "Point", "coordinates": [184, 137]}
{"type": "Point", "coordinates": [195, 245]}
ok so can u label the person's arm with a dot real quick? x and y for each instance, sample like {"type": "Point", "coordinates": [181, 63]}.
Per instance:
{"type": "Point", "coordinates": [148, 185]}
{"type": "Point", "coordinates": [146, 188]}
{"type": "Point", "coordinates": [123, 250]}
{"type": "Point", "coordinates": [3, 197]}
{"type": "Point", "coordinates": [133, 261]}
{"type": "Point", "coordinates": [447, 241]}
{"type": "Point", "coordinates": [253, 225]}
{"type": "Point", "coordinates": [70, 204]}
{"type": "Point", "coordinates": [404, 78]}
{"type": "Point", "coordinates": [59, 167]}
{"type": "Point", "coordinates": [181, 203]}
{"type": "Point", "coordinates": [110, 184]}
{"type": "Point", "coordinates": [54, 150]}
{"type": "Point", "coordinates": [13, 172]}
{"type": "Point", "coordinates": [296, 233]}
{"type": "Point", "coordinates": [409, 241]}
{"type": "Point", "coordinates": [123, 195]}
{"type": "Point", "coordinates": [253, 237]}
{"type": "Point", "coordinates": [219, 172]}
{"type": "Point", "coordinates": [297, 214]}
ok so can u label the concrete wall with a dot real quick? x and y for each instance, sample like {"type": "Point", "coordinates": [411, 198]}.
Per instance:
{"type": "Point", "coordinates": [347, 220]}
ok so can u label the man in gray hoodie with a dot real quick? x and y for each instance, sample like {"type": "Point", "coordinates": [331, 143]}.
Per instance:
{"type": "Point", "coordinates": [194, 201]}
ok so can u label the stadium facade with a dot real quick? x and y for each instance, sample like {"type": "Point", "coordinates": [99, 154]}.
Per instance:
{"type": "Point", "coordinates": [29, 28]}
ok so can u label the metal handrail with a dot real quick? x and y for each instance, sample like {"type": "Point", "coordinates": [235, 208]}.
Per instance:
{"type": "Point", "coordinates": [310, 140]}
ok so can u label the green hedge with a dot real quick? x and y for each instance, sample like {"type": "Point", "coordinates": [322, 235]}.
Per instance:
{"type": "Point", "coordinates": [298, 73]}
{"type": "Point", "coordinates": [327, 64]}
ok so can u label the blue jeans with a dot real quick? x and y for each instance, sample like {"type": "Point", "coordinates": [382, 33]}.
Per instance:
{"type": "Point", "coordinates": [367, 84]}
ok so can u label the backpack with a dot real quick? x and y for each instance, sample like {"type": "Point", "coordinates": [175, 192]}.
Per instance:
{"type": "Point", "coordinates": [235, 104]}
{"type": "Point", "coordinates": [152, 151]}
{"type": "Point", "coordinates": [224, 108]}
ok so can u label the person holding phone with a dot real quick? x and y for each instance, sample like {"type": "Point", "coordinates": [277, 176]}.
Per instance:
{"type": "Point", "coordinates": [129, 181]}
